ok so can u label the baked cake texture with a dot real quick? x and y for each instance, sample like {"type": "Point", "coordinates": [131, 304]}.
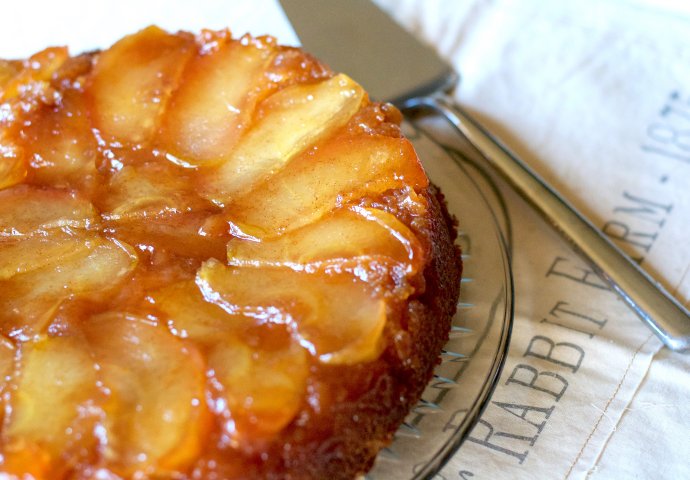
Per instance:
{"type": "Point", "coordinates": [218, 260]}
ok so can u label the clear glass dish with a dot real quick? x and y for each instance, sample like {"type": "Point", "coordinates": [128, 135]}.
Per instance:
{"type": "Point", "coordinates": [473, 357]}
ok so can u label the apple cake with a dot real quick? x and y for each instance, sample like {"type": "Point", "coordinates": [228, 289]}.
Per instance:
{"type": "Point", "coordinates": [218, 260]}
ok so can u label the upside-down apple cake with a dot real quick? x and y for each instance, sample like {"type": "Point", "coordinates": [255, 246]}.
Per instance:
{"type": "Point", "coordinates": [218, 259]}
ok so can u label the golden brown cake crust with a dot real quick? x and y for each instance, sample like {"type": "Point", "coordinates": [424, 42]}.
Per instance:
{"type": "Point", "coordinates": [218, 260]}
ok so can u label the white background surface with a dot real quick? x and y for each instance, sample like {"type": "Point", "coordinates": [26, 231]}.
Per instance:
{"type": "Point", "coordinates": [31, 25]}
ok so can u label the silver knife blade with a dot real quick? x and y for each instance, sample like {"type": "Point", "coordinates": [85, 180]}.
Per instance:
{"type": "Point", "coordinates": [361, 40]}
{"type": "Point", "coordinates": [334, 32]}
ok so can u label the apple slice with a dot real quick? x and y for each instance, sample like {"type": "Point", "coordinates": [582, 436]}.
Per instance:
{"type": "Point", "coordinates": [189, 315]}
{"type": "Point", "coordinates": [132, 82]}
{"type": "Point", "coordinates": [293, 65]}
{"type": "Point", "coordinates": [7, 351]}
{"type": "Point", "coordinates": [286, 123]}
{"type": "Point", "coordinates": [62, 146]}
{"type": "Point", "coordinates": [90, 265]}
{"type": "Point", "coordinates": [263, 387]}
{"type": "Point", "coordinates": [25, 210]}
{"type": "Point", "coordinates": [214, 103]}
{"type": "Point", "coordinates": [155, 416]}
{"type": "Point", "coordinates": [182, 234]}
{"type": "Point", "coordinates": [53, 408]}
{"type": "Point", "coordinates": [7, 369]}
{"type": "Point", "coordinates": [32, 77]}
{"type": "Point", "coordinates": [149, 190]}
{"type": "Point", "coordinates": [32, 253]}
{"type": "Point", "coordinates": [12, 163]}
{"type": "Point", "coordinates": [336, 315]}
{"type": "Point", "coordinates": [345, 237]}
{"type": "Point", "coordinates": [8, 69]}
{"type": "Point", "coordinates": [343, 169]}
{"type": "Point", "coordinates": [261, 369]}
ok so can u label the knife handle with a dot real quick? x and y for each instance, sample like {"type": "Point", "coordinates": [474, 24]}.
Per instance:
{"type": "Point", "coordinates": [667, 318]}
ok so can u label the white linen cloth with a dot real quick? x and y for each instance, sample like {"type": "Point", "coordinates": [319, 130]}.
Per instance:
{"type": "Point", "coordinates": [596, 95]}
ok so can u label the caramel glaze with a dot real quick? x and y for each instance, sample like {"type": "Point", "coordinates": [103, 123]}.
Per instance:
{"type": "Point", "coordinates": [147, 176]}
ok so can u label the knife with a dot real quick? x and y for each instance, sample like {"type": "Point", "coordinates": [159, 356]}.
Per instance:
{"type": "Point", "coordinates": [358, 38]}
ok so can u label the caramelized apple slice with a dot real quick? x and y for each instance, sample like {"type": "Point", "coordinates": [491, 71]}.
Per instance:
{"type": "Point", "coordinates": [152, 205]}
{"type": "Point", "coordinates": [149, 190]}
{"type": "Point", "coordinates": [7, 352]}
{"type": "Point", "coordinates": [90, 265]}
{"type": "Point", "coordinates": [340, 238]}
{"type": "Point", "coordinates": [32, 253]}
{"type": "Point", "coordinates": [63, 148]}
{"type": "Point", "coordinates": [6, 362]}
{"type": "Point", "coordinates": [8, 69]}
{"type": "Point", "coordinates": [189, 315]}
{"type": "Point", "coordinates": [336, 315]}
{"type": "Point", "coordinates": [210, 110]}
{"type": "Point", "coordinates": [33, 79]}
{"type": "Point", "coordinates": [264, 386]}
{"type": "Point", "coordinates": [155, 417]}
{"type": "Point", "coordinates": [52, 412]}
{"type": "Point", "coordinates": [293, 65]}
{"type": "Point", "coordinates": [25, 210]}
{"type": "Point", "coordinates": [343, 169]}
{"type": "Point", "coordinates": [132, 81]}
{"type": "Point", "coordinates": [12, 164]}
{"type": "Point", "coordinates": [182, 234]}
{"type": "Point", "coordinates": [7, 367]}
{"type": "Point", "coordinates": [287, 122]}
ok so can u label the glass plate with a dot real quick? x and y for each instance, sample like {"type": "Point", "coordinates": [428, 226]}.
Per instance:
{"type": "Point", "coordinates": [473, 357]}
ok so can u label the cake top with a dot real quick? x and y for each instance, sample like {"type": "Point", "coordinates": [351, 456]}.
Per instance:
{"type": "Point", "coordinates": [193, 231]}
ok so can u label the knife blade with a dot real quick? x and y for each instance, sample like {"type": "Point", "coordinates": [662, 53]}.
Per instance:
{"type": "Point", "coordinates": [358, 38]}
{"type": "Point", "coordinates": [334, 32]}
